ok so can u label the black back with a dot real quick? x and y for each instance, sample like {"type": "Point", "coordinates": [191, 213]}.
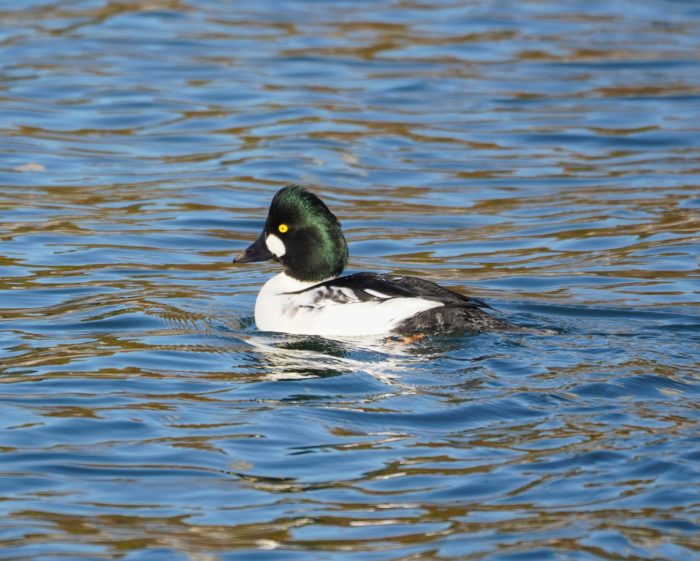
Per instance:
{"type": "Point", "coordinates": [399, 286]}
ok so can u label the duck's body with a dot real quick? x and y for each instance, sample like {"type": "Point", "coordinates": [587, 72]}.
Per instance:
{"type": "Point", "coordinates": [366, 304]}
{"type": "Point", "coordinates": [310, 297]}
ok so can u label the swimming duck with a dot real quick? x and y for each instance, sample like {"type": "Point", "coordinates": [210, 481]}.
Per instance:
{"type": "Point", "coordinates": [309, 297]}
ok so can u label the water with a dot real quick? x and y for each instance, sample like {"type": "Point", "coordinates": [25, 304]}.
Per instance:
{"type": "Point", "coordinates": [540, 155]}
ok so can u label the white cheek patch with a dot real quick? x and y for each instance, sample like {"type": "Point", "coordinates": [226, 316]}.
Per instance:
{"type": "Point", "coordinates": [275, 245]}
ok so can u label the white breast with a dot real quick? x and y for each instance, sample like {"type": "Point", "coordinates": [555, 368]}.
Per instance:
{"type": "Point", "coordinates": [344, 315]}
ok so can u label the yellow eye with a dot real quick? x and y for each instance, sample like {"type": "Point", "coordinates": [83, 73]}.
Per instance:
{"type": "Point", "coordinates": [283, 228]}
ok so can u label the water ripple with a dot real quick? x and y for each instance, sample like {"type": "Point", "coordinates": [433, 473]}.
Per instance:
{"type": "Point", "coordinates": [542, 156]}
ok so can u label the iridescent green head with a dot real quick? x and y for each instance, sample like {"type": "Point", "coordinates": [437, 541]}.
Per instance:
{"type": "Point", "coordinates": [302, 234]}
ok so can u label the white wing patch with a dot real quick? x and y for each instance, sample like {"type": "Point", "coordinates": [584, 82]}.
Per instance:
{"type": "Point", "coordinates": [376, 293]}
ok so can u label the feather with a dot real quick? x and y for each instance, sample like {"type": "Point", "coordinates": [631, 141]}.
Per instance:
{"type": "Point", "coordinates": [372, 303]}
{"type": "Point", "coordinates": [375, 286]}
{"type": "Point", "coordinates": [342, 309]}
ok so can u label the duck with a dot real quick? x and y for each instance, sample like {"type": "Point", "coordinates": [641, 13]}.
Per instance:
{"type": "Point", "coordinates": [310, 297]}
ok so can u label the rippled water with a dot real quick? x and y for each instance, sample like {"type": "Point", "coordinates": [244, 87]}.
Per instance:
{"type": "Point", "coordinates": [544, 156]}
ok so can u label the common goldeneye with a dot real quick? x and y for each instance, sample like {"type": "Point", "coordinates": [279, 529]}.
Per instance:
{"type": "Point", "coordinates": [311, 298]}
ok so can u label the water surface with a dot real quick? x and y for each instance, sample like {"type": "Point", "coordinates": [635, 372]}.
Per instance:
{"type": "Point", "coordinates": [542, 156]}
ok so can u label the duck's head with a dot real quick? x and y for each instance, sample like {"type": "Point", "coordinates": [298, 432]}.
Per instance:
{"type": "Point", "coordinates": [303, 235]}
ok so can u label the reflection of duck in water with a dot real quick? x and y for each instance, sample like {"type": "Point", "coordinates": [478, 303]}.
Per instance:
{"type": "Point", "coordinates": [295, 357]}
{"type": "Point", "coordinates": [309, 297]}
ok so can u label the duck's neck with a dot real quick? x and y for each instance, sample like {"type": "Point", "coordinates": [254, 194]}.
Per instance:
{"type": "Point", "coordinates": [282, 283]}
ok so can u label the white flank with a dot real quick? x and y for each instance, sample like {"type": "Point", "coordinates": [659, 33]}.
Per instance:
{"type": "Point", "coordinates": [310, 313]}
{"type": "Point", "coordinates": [275, 245]}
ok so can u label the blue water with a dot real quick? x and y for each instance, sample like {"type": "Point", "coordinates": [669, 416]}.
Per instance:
{"type": "Point", "coordinates": [542, 156]}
